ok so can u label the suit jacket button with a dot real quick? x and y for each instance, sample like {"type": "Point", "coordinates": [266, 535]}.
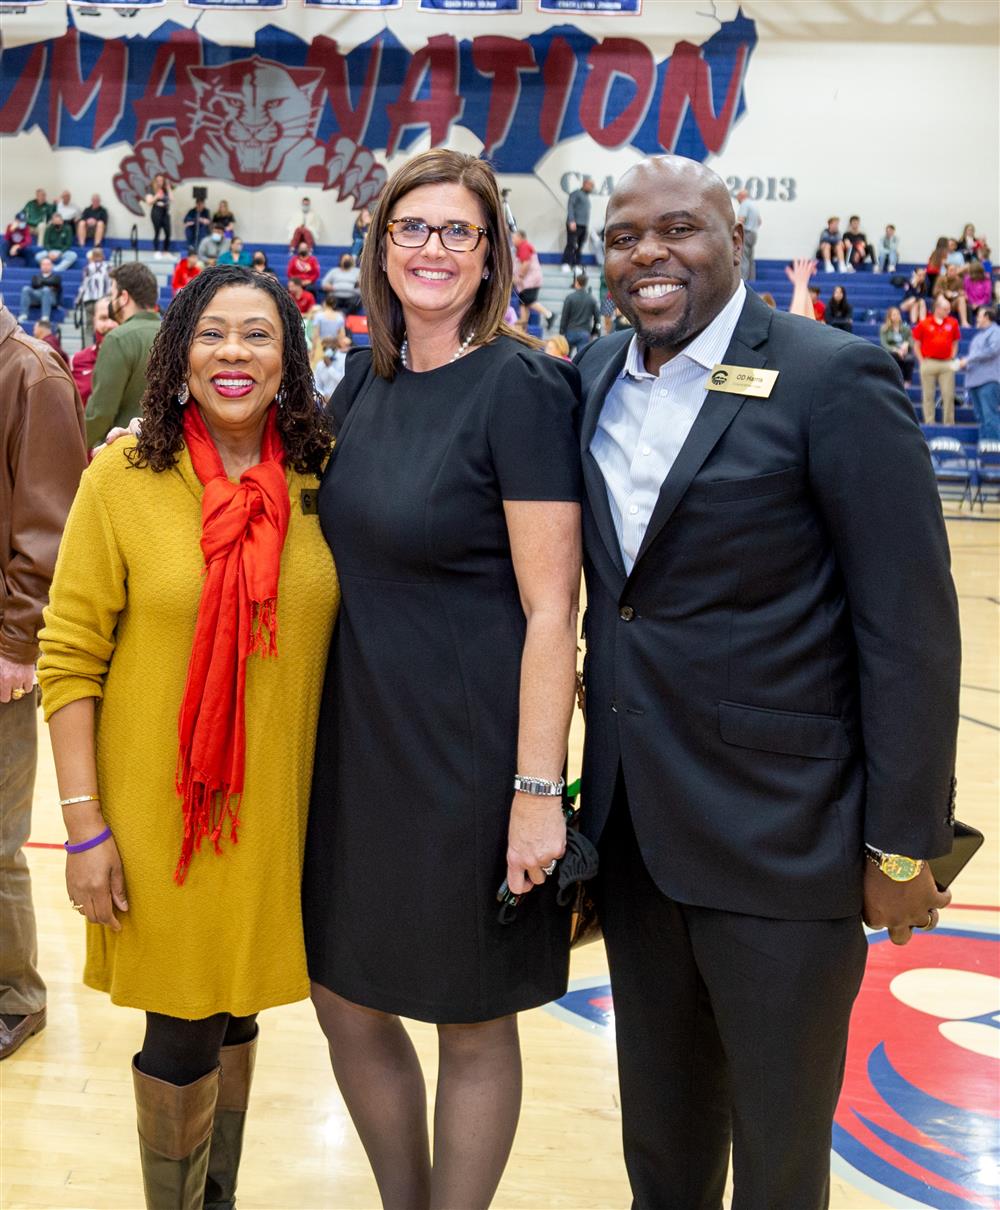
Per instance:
{"type": "Point", "coordinates": [626, 613]}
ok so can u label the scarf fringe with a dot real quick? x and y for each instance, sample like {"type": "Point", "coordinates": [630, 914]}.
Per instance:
{"type": "Point", "coordinates": [264, 628]}
{"type": "Point", "coordinates": [206, 808]}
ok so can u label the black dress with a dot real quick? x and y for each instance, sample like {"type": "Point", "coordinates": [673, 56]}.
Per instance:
{"type": "Point", "coordinates": [416, 747]}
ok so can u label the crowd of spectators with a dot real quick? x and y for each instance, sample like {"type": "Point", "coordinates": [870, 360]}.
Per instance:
{"type": "Point", "coordinates": [946, 294]}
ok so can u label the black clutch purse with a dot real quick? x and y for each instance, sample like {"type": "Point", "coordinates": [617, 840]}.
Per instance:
{"type": "Point", "coordinates": [576, 867]}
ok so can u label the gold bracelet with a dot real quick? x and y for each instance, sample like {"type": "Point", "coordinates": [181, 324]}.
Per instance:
{"type": "Point", "coordinates": [71, 802]}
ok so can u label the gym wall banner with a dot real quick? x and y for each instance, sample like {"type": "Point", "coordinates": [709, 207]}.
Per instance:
{"type": "Point", "coordinates": [470, 6]}
{"type": "Point", "coordinates": [302, 111]}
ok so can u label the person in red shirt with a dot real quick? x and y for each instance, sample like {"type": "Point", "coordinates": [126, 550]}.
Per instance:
{"type": "Point", "coordinates": [528, 281]}
{"type": "Point", "coordinates": [935, 342]}
{"type": "Point", "coordinates": [187, 270]}
{"type": "Point", "coordinates": [301, 297]}
{"type": "Point", "coordinates": [303, 266]}
{"type": "Point", "coordinates": [81, 364]}
{"type": "Point", "coordinates": [44, 331]}
{"type": "Point", "coordinates": [17, 239]}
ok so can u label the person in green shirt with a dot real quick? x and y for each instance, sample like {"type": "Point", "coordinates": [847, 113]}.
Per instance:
{"type": "Point", "coordinates": [57, 244]}
{"type": "Point", "coordinates": [38, 211]}
{"type": "Point", "coordinates": [120, 370]}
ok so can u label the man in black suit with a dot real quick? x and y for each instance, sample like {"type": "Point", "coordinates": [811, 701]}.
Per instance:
{"type": "Point", "coordinates": [772, 694]}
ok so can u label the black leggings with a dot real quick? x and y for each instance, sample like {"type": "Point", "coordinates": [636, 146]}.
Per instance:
{"type": "Point", "coordinates": [181, 1052]}
{"type": "Point", "coordinates": [160, 218]}
{"type": "Point", "coordinates": [575, 241]}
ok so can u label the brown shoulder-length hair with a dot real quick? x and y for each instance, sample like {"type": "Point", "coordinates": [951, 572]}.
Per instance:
{"type": "Point", "coordinates": [302, 423]}
{"type": "Point", "coordinates": [485, 315]}
{"type": "Point", "coordinates": [939, 253]}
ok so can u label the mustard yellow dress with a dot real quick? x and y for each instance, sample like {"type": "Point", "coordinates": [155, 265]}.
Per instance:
{"type": "Point", "coordinates": [119, 628]}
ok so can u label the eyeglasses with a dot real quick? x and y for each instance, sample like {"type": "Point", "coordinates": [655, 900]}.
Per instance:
{"type": "Point", "coordinates": [414, 233]}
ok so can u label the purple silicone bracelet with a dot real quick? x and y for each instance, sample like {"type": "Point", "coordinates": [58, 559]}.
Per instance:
{"type": "Point", "coordinates": [84, 845]}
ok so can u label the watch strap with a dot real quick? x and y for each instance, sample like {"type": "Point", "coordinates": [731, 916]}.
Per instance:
{"type": "Point", "coordinates": [540, 786]}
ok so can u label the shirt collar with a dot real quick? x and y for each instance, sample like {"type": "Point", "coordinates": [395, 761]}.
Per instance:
{"type": "Point", "coordinates": [703, 348]}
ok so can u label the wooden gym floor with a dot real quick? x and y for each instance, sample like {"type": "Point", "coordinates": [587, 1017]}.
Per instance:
{"type": "Point", "coordinates": [917, 1125]}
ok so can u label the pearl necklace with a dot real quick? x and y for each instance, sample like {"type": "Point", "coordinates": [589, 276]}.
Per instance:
{"type": "Point", "coordinates": [404, 348]}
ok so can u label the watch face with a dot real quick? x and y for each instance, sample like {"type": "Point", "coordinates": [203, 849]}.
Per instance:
{"type": "Point", "coordinates": [898, 868]}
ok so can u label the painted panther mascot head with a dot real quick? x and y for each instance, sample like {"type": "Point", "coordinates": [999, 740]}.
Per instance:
{"type": "Point", "coordinates": [257, 117]}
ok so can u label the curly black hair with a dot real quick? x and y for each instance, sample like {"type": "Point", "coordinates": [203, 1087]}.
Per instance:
{"type": "Point", "coordinates": [302, 422]}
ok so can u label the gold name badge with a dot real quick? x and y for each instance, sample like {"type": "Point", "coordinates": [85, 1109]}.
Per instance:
{"type": "Point", "coordinates": [742, 380]}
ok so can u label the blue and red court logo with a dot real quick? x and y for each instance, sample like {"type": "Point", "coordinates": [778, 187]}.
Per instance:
{"type": "Point", "coordinates": [918, 1123]}
{"type": "Point", "coordinates": [587, 1005]}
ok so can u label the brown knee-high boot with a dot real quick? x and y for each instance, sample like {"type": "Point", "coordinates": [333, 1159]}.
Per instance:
{"type": "Point", "coordinates": [175, 1131]}
{"type": "Point", "coordinates": [230, 1117]}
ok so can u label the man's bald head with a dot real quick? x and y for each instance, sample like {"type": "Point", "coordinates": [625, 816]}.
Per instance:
{"type": "Point", "coordinates": [672, 251]}
{"type": "Point", "coordinates": [663, 172]}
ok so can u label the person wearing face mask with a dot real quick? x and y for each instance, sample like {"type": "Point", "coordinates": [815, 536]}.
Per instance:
{"type": "Point", "coordinates": [17, 239]}
{"type": "Point", "coordinates": [305, 226]}
{"type": "Point", "coordinates": [120, 370]}
{"type": "Point", "coordinates": [303, 267]}
{"type": "Point", "coordinates": [214, 244]}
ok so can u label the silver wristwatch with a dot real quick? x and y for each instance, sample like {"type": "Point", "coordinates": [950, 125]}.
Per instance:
{"type": "Point", "coordinates": [539, 785]}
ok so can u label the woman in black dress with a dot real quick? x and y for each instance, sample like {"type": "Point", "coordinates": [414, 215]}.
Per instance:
{"type": "Point", "coordinates": [158, 200]}
{"type": "Point", "coordinates": [451, 506]}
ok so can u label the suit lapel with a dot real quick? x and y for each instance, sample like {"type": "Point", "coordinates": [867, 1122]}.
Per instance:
{"type": "Point", "coordinates": [597, 492]}
{"type": "Point", "coordinates": [717, 413]}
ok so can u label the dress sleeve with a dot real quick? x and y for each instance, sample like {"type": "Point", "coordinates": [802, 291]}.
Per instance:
{"type": "Point", "coordinates": [533, 433]}
{"type": "Point", "coordinates": [87, 595]}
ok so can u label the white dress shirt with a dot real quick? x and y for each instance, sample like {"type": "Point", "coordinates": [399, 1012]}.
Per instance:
{"type": "Point", "coordinates": [328, 374]}
{"type": "Point", "coordinates": [646, 419]}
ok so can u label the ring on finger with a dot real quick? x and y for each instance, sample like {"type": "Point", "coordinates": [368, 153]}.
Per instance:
{"type": "Point", "coordinates": [932, 920]}
{"type": "Point", "coordinates": [550, 868]}
{"type": "Point", "coordinates": [77, 907]}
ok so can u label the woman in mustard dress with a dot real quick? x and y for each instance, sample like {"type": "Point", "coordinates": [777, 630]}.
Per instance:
{"type": "Point", "coordinates": [181, 670]}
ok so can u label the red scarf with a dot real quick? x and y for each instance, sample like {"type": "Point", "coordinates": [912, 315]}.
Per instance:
{"type": "Point", "coordinates": [243, 527]}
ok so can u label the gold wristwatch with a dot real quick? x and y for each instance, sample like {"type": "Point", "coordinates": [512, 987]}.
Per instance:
{"type": "Point", "coordinates": [894, 865]}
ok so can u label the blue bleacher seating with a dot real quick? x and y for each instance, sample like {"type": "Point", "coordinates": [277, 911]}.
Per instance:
{"type": "Point", "coordinates": [953, 468]}
{"type": "Point", "coordinates": [871, 294]}
{"type": "Point", "coordinates": [987, 473]}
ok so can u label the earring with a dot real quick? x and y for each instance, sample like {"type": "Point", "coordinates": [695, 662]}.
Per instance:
{"type": "Point", "coordinates": [183, 395]}
{"type": "Point", "coordinates": [279, 399]}
{"type": "Point", "coordinates": [486, 274]}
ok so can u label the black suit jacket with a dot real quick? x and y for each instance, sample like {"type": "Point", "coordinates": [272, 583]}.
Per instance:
{"type": "Point", "coordinates": [778, 675]}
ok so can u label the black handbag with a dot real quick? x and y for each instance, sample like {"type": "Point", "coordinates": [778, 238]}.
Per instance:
{"type": "Point", "coordinates": [576, 867]}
